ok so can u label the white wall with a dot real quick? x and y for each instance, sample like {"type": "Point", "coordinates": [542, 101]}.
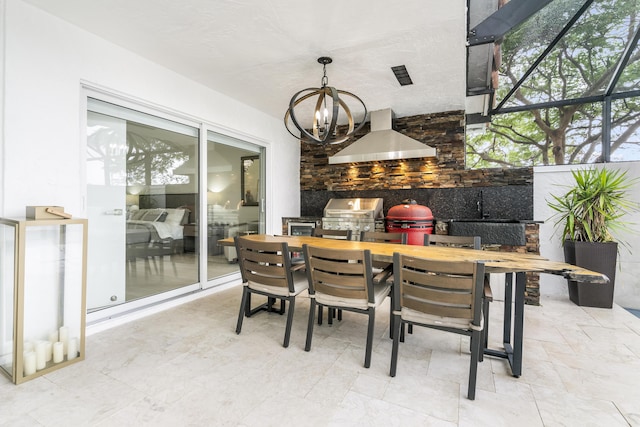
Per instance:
{"type": "Point", "coordinates": [553, 180]}
{"type": "Point", "coordinates": [45, 61]}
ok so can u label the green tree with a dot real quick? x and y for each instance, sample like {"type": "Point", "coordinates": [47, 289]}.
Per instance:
{"type": "Point", "coordinates": [580, 66]}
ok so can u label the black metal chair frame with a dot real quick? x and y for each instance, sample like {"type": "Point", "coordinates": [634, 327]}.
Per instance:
{"type": "Point", "coordinates": [319, 263]}
{"type": "Point", "coordinates": [279, 261]}
{"type": "Point", "coordinates": [419, 273]}
{"type": "Point", "coordinates": [326, 233]}
{"type": "Point", "coordinates": [332, 234]}
{"type": "Point", "coordinates": [487, 295]}
{"type": "Point", "coordinates": [385, 273]}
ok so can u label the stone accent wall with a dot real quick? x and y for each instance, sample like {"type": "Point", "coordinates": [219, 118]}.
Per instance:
{"type": "Point", "coordinates": [532, 292]}
{"type": "Point", "coordinates": [443, 182]}
{"type": "Point", "coordinates": [443, 131]}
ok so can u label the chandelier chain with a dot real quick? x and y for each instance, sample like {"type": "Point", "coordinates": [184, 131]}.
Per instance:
{"type": "Point", "coordinates": [325, 79]}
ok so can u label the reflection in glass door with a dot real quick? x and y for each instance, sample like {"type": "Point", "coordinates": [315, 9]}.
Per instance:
{"type": "Point", "coordinates": [235, 198]}
{"type": "Point", "coordinates": [142, 192]}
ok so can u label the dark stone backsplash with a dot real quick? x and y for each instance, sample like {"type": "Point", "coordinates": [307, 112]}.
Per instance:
{"type": "Point", "coordinates": [505, 202]}
{"type": "Point", "coordinates": [442, 183]}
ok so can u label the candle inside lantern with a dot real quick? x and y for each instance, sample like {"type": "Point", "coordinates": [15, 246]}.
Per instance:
{"type": "Point", "coordinates": [72, 348]}
{"type": "Point", "coordinates": [58, 352]}
{"type": "Point", "coordinates": [29, 363]}
{"type": "Point", "coordinates": [64, 338]}
{"type": "Point", "coordinates": [48, 351]}
{"type": "Point", "coordinates": [41, 355]}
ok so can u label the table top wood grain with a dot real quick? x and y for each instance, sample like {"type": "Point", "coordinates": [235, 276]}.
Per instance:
{"type": "Point", "coordinates": [494, 261]}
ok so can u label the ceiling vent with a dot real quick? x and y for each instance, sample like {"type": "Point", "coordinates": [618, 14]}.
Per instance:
{"type": "Point", "coordinates": [402, 75]}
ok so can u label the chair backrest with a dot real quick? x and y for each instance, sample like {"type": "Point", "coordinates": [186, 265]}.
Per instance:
{"type": "Point", "coordinates": [450, 289]}
{"type": "Point", "coordinates": [267, 263]}
{"type": "Point", "coordinates": [381, 237]}
{"type": "Point", "coordinates": [332, 234]}
{"type": "Point", "coordinates": [341, 273]}
{"type": "Point", "coordinates": [457, 241]}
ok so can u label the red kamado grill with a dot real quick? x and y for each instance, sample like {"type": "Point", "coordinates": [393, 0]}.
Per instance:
{"type": "Point", "coordinates": [411, 218]}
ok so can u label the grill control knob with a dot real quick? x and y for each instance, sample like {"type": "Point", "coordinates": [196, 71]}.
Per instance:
{"type": "Point", "coordinates": [367, 228]}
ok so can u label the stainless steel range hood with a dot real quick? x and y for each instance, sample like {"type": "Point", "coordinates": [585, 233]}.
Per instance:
{"type": "Point", "coordinates": [382, 143]}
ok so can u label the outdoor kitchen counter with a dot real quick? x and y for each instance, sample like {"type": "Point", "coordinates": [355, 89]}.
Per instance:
{"type": "Point", "coordinates": [492, 231]}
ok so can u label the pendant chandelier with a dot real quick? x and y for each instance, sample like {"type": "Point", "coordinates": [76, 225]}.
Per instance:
{"type": "Point", "coordinates": [326, 112]}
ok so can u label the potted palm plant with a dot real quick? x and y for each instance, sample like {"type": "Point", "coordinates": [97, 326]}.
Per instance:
{"type": "Point", "coordinates": [586, 215]}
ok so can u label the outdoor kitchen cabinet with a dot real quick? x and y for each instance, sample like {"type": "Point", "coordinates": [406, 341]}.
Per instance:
{"type": "Point", "coordinates": [42, 295]}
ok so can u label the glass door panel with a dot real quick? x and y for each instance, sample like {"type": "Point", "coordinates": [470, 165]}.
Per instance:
{"type": "Point", "coordinates": [106, 181]}
{"type": "Point", "coordinates": [235, 198]}
{"type": "Point", "coordinates": [143, 198]}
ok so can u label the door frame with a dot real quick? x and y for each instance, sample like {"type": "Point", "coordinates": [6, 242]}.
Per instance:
{"type": "Point", "coordinates": [90, 90]}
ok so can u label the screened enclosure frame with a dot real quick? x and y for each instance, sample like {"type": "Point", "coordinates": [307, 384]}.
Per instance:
{"type": "Point", "coordinates": [498, 25]}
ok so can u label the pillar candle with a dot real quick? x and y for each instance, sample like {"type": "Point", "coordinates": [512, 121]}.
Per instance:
{"type": "Point", "coordinates": [29, 363]}
{"type": "Point", "coordinates": [41, 355]}
{"type": "Point", "coordinates": [28, 346]}
{"type": "Point", "coordinates": [72, 348]}
{"type": "Point", "coordinates": [64, 338]}
{"type": "Point", "coordinates": [53, 336]}
{"type": "Point", "coordinates": [48, 351]}
{"type": "Point", "coordinates": [58, 352]}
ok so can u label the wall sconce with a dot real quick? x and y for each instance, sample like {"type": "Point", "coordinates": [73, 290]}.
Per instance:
{"type": "Point", "coordinates": [135, 189]}
{"type": "Point", "coordinates": [133, 200]}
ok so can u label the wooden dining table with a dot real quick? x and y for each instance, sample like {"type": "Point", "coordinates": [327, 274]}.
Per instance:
{"type": "Point", "coordinates": [511, 263]}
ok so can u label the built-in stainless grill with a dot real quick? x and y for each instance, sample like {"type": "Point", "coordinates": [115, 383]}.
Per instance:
{"type": "Point", "coordinates": [352, 214]}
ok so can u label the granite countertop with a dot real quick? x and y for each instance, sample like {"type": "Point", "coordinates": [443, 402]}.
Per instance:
{"type": "Point", "coordinates": [492, 220]}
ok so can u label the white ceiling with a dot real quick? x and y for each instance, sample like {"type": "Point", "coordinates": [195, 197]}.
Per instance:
{"type": "Point", "coordinates": [263, 51]}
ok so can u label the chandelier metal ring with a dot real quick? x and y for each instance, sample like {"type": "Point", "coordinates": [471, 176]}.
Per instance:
{"type": "Point", "coordinates": [324, 131]}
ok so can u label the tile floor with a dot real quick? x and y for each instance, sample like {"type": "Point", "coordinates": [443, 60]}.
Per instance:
{"type": "Point", "coordinates": [187, 367]}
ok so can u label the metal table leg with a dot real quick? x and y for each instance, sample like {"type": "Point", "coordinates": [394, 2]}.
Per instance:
{"type": "Point", "coordinates": [518, 326]}
{"type": "Point", "coordinates": [513, 353]}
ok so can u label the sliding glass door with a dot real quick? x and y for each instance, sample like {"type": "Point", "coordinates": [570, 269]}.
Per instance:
{"type": "Point", "coordinates": [142, 189]}
{"type": "Point", "coordinates": [155, 216]}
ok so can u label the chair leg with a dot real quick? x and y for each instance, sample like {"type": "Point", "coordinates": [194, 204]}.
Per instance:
{"type": "Point", "coordinates": [372, 321]}
{"type": "Point", "coordinates": [312, 315]}
{"type": "Point", "coordinates": [173, 264]}
{"type": "Point", "coordinates": [287, 330]}
{"type": "Point", "coordinates": [485, 310]}
{"type": "Point", "coordinates": [391, 317]}
{"type": "Point", "coordinates": [330, 316]}
{"type": "Point", "coordinates": [476, 345]}
{"type": "Point", "coordinates": [243, 303]}
{"type": "Point", "coordinates": [484, 336]}
{"type": "Point", "coordinates": [396, 343]}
